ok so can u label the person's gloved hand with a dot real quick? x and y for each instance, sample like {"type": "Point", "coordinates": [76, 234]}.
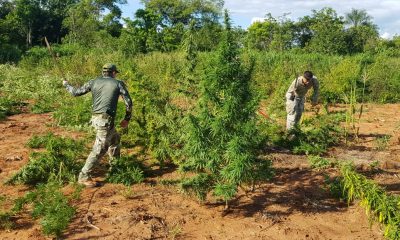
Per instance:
{"type": "Point", "coordinates": [124, 123]}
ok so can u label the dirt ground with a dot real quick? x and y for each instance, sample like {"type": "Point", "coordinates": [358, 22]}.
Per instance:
{"type": "Point", "coordinates": [294, 205]}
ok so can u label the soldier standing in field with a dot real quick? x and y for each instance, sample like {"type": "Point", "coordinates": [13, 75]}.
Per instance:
{"type": "Point", "coordinates": [295, 97]}
{"type": "Point", "coordinates": [105, 93]}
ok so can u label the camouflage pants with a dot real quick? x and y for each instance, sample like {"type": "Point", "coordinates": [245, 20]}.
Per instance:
{"type": "Point", "coordinates": [294, 110]}
{"type": "Point", "coordinates": [107, 140]}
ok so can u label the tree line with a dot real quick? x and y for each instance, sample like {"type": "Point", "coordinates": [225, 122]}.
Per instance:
{"type": "Point", "coordinates": [161, 25]}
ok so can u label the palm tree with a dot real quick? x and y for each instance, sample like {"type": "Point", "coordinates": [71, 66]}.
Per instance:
{"type": "Point", "coordinates": [358, 17]}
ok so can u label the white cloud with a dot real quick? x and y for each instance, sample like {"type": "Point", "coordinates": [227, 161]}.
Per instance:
{"type": "Point", "coordinates": [386, 35]}
{"type": "Point", "coordinates": [257, 19]}
{"type": "Point", "coordinates": [384, 12]}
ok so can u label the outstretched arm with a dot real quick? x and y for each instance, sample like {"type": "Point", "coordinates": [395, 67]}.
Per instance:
{"type": "Point", "coordinates": [316, 91]}
{"type": "Point", "coordinates": [128, 104]}
{"type": "Point", "coordinates": [80, 90]}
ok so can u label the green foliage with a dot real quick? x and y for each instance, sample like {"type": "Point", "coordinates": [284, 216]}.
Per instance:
{"type": "Point", "coordinates": [5, 221]}
{"type": "Point", "coordinates": [60, 159]}
{"type": "Point", "coordinates": [383, 81]}
{"type": "Point", "coordinates": [156, 123]}
{"type": "Point", "coordinates": [340, 79]}
{"type": "Point", "coordinates": [271, 34]}
{"type": "Point", "coordinates": [328, 35]}
{"type": "Point", "coordinates": [20, 85]}
{"type": "Point", "coordinates": [9, 107]}
{"type": "Point", "coordinates": [198, 185]}
{"type": "Point", "coordinates": [382, 143]}
{"type": "Point", "coordinates": [318, 162]}
{"type": "Point", "coordinates": [221, 138]}
{"type": "Point", "coordinates": [73, 112]}
{"type": "Point", "coordinates": [165, 20]}
{"type": "Point", "coordinates": [40, 141]}
{"type": "Point", "coordinates": [9, 53]}
{"type": "Point", "coordinates": [335, 187]}
{"type": "Point", "coordinates": [384, 207]}
{"type": "Point", "coordinates": [125, 170]}
{"type": "Point", "coordinates": [50, 205]}
{"type": "Point", "coordinates": [317, 134]}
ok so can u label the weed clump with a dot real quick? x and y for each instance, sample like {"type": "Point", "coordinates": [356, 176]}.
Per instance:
{"type": "Point", "coordinates": [5, 220]}
{"type": "Point", "coordinates": [384, 208]}
{"type": "Point", "coordinates": [125, 170]}
{"type": "Point", "coordinates": [59, 158]}
{"type": "Point", "coordinates": [50, 205]}
{"type": "Point", "coordinates": [318, 162]}
{"type": "Point", "coordinates": [9, 107]}
{"type": "Point", "coordinates": [314, 137]}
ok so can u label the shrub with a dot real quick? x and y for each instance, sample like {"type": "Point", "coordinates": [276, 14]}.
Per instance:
{"type": "Point", "coordinates": [50, 205]}
{"type": "Point", "coordinates": [383, 206]}
{"type": "Point", "coordinates": [125, 170]}
{"type": "Point", "coordinates": [318, 162]}
{"type": "Point", "coordinates": [9, 107]}
{"type": "Point", "coordinates": [317, 134]}
{"type": "Point", "coordinates": [59, 159]}
{"type": "Point", "coordinates": [9, 53]}
{"type": "Point", "coordinates": [221, 137]}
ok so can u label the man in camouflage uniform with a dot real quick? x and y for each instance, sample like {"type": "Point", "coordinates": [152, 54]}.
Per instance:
{"type": "Point", "coordinates": [295, 97]}
{"type": "Point", "coordinates": [105, 93]}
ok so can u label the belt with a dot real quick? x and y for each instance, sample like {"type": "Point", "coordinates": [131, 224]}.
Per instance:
{"type": "Point", "coordinates": [103, 115]}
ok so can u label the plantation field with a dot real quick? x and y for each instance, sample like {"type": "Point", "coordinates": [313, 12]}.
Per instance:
{"type": "Point", "coordinates": [295, 204]}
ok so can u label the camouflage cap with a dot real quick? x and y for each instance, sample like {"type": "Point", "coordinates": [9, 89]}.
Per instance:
{"type": "Point", "coordinates": [109, 67]}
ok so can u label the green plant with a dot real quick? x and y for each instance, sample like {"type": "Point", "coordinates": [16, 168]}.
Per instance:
{"type": "Point", "coordinates": [382, 143]}
{"type": "Point", "coordinates": [386, 208]}
{"type": "Point", "coordinates": [128, 193]}
{"type": "Point", "coordinates": [73, 112]}
{"type": "Point", "coordinates": [40, 141]}
{"type": "Point", "coordinates": [50, 205]}
{"type": "Point", "coordinates": [125, 170]}
{"type": "Point", "coordinates": [198, 185]}
{"type": "Point", "coordinates": [374, 164]}
{"type": "Point", "coordinates": [174, 231]}
{"type": "Point", "coordinates": [316, 135]}
{"type": "Point", "coordinates": [222, 140]}
{"type": "Point", "coordinates": [353, 117]}
{"type": "Point", "coordinates": [318, 162]}
{"type": "Point", "coordinates": [60, 158]}
{"type": "Point", "coordinates": [5, 220]}
{"type": "Point", "coordinates": [335, 187]}
{"type": "Point", "coordinates": [9, 107]}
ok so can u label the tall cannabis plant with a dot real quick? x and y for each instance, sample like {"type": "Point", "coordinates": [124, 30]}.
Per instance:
{"type": "Point", "coordinates": [222, 140]}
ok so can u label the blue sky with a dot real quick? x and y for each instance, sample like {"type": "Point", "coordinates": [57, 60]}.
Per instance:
{"type": "Point", "coordinates": [385, 13]}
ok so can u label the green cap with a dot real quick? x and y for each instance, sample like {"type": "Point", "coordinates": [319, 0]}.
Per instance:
{"type": "Point", "coordinates": [109, 67]}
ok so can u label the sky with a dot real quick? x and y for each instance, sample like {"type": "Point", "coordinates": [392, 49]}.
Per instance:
{"type": "Point", "coordinates": [385, 13]}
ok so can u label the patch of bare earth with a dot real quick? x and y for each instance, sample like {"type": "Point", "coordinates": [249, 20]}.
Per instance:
{"type": "Point", "coordinates": [294, 205]}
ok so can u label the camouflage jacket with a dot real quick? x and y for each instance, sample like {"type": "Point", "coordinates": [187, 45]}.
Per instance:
{"type": "Point", "coordinates": [105, 93]}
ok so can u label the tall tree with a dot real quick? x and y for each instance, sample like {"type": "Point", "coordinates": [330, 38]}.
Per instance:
{"type": "Point", "coordinates": [39, 18]}
{"type": "Point", "coordinates": [361, 30]}
{"type": "Point", "coordinates": [327, 32]}
{"type": "Point", "coordinates": [358, 17]}
{"type": "Point", "coordinates": [175, 16]}
{"type": "Point", "coordinates": [271, 34]}
{"type": "Point", "coordinates": [87, 17]}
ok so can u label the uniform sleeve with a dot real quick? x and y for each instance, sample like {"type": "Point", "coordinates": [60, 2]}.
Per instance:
{"type": "Point", "coordinates": [292, 87]}
{"type": "Point", "coordinates": [127, 100]}
{"type": "Point", "coordinates": [80, 90]}
{"type": "Point", "coordinates": [316, 91]}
